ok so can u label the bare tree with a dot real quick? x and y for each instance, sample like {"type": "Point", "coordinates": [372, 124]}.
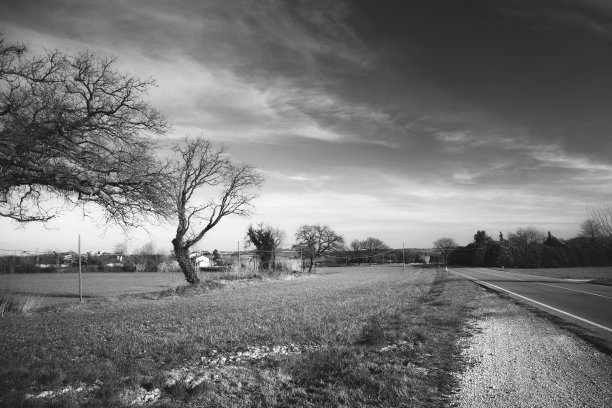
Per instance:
{"type": "Point", "coordinates": [598, 224]}
{"type": "Point", "coordinates": [267, 240]}
{"type": "Point", "coordinates": [120, 248]}
{"type": "Point", "coordinates": [73, 128]}
{"type": "Point", "coordinates": [524, 237]}
{"type": "Point", "coordinates": [204, 171]}
{"type": "Point", "coordinates": [372, 246]}
{"type": "Point", "coordinates": [316, 241]}
{"type": "Point", "coordinates": [147, 249]}
{"type": "Point", "coordinates": [356, 248]}
{"type": "Point", "coordinates": [589, 228]}
{"type": "Point", "coordinates": [445, 245]}
{"type": "Point", "coordinates": [146, 257]}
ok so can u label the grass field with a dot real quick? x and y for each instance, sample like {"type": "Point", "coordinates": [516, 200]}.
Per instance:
{"type": "Point", "coordinates": [56, 289]}
{"type": "Point", "coordinates": [369, 336]}
{"type": "Point", "coordinates": [95, 284]}
{"type": "Point", "coordinates": [601, 274]}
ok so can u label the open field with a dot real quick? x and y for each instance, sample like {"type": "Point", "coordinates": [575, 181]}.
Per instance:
{"type": "Point", "coordinates": [53, 289]}
{"type": "Point", "coordinates": [63, 288]}
{"type": "Point", "coordinates": [602, 274]}
{"type": "Point", "coordinates": [369, 336]}
{"type": "Point", "coordinates": [95, 284]}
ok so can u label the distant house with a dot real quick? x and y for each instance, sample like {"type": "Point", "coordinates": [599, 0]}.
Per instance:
{"type": "Point", "coordinates": [200, 260]}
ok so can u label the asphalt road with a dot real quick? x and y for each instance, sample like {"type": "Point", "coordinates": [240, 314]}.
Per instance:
{"type": "Point", "coordinates": [577, 301]}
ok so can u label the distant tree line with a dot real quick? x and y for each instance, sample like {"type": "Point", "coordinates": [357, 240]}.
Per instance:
{"type": "Point", "coordinates": [145, 259]}
{"type": "Point", "coordinates": [530, 248]}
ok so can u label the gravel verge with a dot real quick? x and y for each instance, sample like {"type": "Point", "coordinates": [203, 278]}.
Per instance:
{"type": "Point", "coordinates": [518, 359]}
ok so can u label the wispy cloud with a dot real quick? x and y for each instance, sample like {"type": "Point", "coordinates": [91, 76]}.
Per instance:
{"type": "Point", "coordinates": [591, 15]}
{"type": "Point", "coordinates": [362, 119]}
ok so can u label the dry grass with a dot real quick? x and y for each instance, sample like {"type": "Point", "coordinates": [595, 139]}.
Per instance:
{"type": "Point", "coordinates": [19, 304]}
{"type": "Point", "coordinates": [378, 336]}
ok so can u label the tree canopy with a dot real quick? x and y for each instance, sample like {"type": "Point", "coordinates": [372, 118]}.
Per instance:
{"type": "Point", "coordinates": [598, 224]}
{"type": "Point", "coordinates": [76, 129]}
{"type": "Point", "coordinates": [372, 247]}
{"type": "Point", "coordinates": [445, 245]}
{"type": "Point", "coordinates": [267, 240]}
{"type": "Point", "coordinates": [316, 241]}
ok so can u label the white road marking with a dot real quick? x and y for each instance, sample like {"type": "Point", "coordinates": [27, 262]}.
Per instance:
{"type": "Point", "coordinates": [546, 284]}
{"type": "Point", "coordinates": [534, 301]}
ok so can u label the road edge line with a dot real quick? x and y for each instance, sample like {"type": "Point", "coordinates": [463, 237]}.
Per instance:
{"type": "Point", "coordinates": [531, 300]}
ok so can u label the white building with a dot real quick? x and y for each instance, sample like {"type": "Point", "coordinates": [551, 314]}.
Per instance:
{"type": "Point", "coordinates": [200, 261]}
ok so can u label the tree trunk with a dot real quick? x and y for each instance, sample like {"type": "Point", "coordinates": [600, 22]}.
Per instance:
{"type": "Point", "coordinates": [310, 266]}
{"type": "Point", "coordinates": [182, 256]}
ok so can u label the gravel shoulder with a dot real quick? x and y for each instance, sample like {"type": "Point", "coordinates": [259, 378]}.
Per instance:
{"type": "Point", "coordinates": [518, 359]}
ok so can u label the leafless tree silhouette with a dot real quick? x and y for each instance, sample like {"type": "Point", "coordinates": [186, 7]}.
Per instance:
{"type": "Point", "coordinates": [74, 128]}
{"type": "Point", "coordinates": [445, 245]}
{"type": "Point", "coordinates": [316, 241]}
{"type": "Point", "coordinates": [206, 187]}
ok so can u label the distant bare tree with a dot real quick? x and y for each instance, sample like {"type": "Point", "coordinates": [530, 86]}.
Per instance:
{"type": "Point", "coordinates": [589, 228]}
{"type": "Point", "coordinates": [523, 237]}
{"type": "Point", "coordinates": [120, 248]}
{"type": "Point", "coordinates": [146, 258]}
{"type": "Point", "coordinates": [316, 241]}
{"type": "Point", "coordinates": [356, 248]}
{"type": "Point", "coordinates": [204, 171]}
{"type": "Point", "coordinates": [445, 245]}
{"type": "Point", "coordinates": [147, 249]}
{"type": "Point", "coordinates": [75, 129]}
{"type": "Point", "coordinates": [372, 246]}
{"type": "Point", "coordinates": [598, 224]}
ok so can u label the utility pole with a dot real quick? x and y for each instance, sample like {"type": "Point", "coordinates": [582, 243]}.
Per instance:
{"type": "Point", "coordinates": [80, 283]}
{"type": "Point", "coordinates": [403, 257]}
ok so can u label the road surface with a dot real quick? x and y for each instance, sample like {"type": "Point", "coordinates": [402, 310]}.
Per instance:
{"type": "Point", "coordinates": [577, 301]}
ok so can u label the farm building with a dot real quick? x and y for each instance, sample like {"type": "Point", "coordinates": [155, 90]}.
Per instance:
{"type": "Point", "coordinates": [200, 260]}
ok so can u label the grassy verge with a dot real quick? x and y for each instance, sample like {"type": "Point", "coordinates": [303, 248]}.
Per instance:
{"type": "Point", "coordinates": [356, 337]}
{"type": "Point", "coordinates": [601, 275]}
{"type": "Point", "coordinates": [594, 272]}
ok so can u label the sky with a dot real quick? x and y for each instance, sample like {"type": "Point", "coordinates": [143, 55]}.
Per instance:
{"type": "Point", "coordinates": [402, 120]}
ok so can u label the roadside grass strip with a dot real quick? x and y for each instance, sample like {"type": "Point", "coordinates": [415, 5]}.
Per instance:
{"type": "Point", "coordinates": [358, 337]}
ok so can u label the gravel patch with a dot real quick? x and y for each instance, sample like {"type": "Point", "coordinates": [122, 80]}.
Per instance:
{"type": "Point", "coordinates": [517, 359]}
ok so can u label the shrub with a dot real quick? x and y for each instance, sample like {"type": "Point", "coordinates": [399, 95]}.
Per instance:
{"type": "Point", "coordinates": [129, 267]}
{"type": "Point", "coordinates": [168, 266]}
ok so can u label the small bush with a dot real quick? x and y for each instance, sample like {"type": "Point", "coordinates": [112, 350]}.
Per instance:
{"type": "Point", "coordinates": [168, 266]}
{"type": "Point", "coordinates": [129, 267]}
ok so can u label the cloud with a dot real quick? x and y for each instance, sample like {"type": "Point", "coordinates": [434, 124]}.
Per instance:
{"type": "Point", "coordinates": [594, 16]}
{"type": "Point", "coordinates": [361, 118]}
